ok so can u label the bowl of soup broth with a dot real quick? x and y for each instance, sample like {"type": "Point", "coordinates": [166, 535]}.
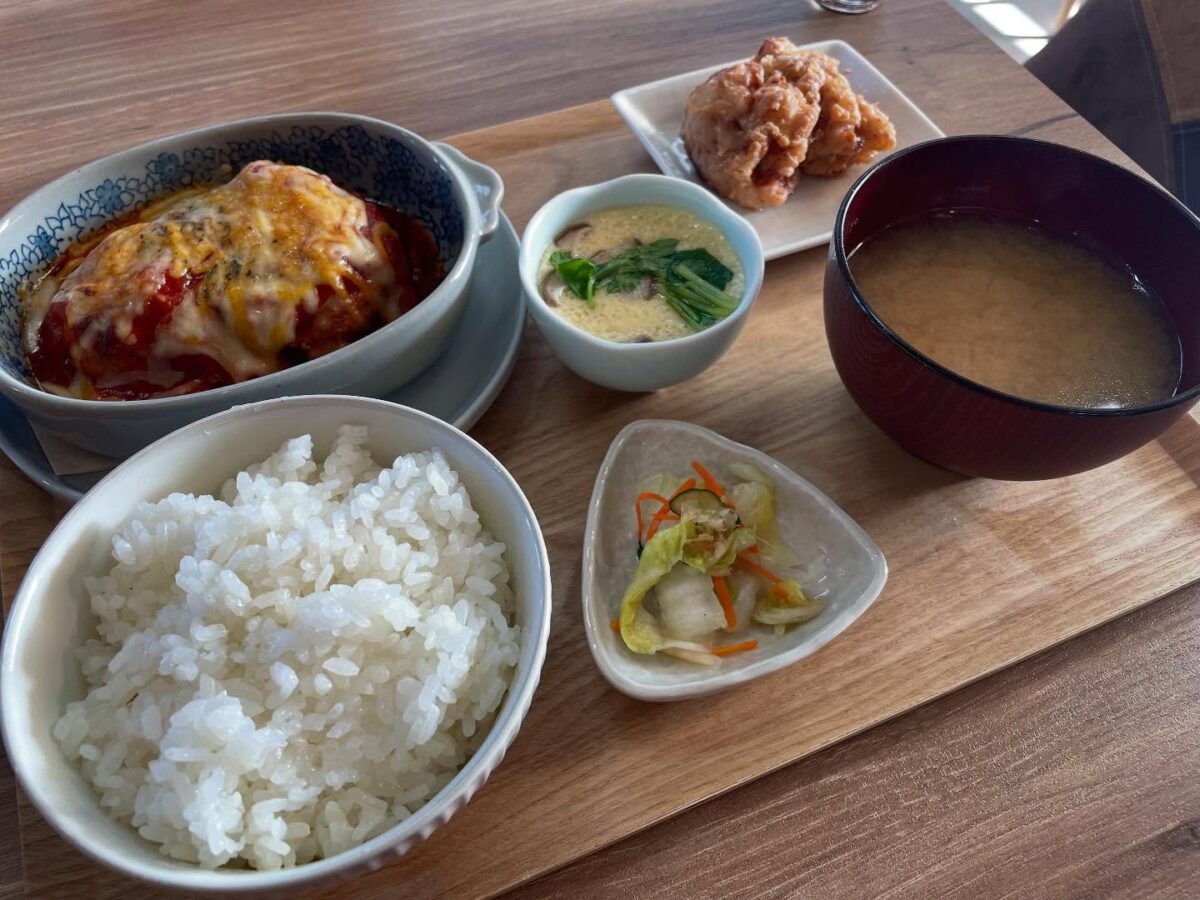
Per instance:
{"type": "Point", "coordinates": [1014, 309]}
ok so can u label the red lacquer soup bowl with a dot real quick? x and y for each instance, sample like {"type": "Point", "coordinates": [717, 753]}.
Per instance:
{"type": "Point", "coordinates": [949, 420]}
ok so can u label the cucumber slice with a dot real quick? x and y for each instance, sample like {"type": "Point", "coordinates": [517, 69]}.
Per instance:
{"type": "Point", "coordinates": [696, 498]}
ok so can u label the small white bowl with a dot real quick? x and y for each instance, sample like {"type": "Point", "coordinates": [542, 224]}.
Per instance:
{"type": "Point", "coordinates": [650, 366]}
{"type": "Point", "coordinates": [854, 570]}
{"type": "Point", "coordinates": [51, 618]}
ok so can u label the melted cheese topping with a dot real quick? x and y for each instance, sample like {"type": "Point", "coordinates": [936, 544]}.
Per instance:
{"type": "Point", "coordinates": [249, 257]}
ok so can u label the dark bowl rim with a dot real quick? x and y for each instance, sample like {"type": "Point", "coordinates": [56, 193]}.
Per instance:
{"type": "Point", "coordinates": [839, 252]}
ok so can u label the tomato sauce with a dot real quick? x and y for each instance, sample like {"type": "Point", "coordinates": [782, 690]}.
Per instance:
{"type": "Point", "coordinates": [125, 366]}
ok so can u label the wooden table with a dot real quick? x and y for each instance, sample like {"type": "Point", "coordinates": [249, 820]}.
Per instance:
{"type": "Point", "coordinates": [1071, 774]}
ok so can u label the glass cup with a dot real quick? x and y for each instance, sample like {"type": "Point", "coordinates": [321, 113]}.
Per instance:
{"type": "Point", "coordinates": [850, 6]}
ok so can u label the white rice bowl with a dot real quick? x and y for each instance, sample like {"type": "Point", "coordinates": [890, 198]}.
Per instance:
{"type": "Point", "coordinates": [287, 671]}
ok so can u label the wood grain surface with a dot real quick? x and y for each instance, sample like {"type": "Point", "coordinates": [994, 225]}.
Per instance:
{"type": "Point", "coordinates": [1069, 776]}
{"type": "Point", "coordinates": [983, 573]}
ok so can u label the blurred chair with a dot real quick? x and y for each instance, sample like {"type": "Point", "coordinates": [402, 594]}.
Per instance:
{"type": "Point", "coordinates": [1132, 69]}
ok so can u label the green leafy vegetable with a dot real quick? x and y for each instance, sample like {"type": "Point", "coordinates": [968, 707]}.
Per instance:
{"type": "Point", "coordinates": [695, 300]}
{"type": "Point", "coordinates": [692, 282]}
{"type": "Point", "coordinates": [623, 272]}
{"type": "Point", "coordinates": [704, 265]}
{"type": "Point", "coordinates": [579, 275]}
{"type": "Point", "coordinates": [662, 552]}
{"type": "Point", "coordinates": [659, 557]}
{"type": "Point", "coordinates": [622, 282]}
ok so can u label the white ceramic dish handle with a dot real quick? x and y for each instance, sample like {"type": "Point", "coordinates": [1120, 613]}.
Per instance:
{"type": "Point", "coordinates": [489, 188]}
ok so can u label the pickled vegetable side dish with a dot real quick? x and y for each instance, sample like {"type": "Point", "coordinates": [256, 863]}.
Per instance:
{"type": "Point", "coordinates": [707, 583]}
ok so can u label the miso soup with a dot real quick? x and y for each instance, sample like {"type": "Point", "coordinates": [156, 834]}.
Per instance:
{"type": "Point", "coordinates": [1021, 310]}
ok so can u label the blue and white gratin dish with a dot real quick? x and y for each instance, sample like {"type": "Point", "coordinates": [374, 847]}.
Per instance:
{"type": "Point", "coordinates": [456, 198]}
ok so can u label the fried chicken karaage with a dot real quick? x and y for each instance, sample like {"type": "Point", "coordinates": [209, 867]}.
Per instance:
{"type": "Point", "coordinates": [754, 128]}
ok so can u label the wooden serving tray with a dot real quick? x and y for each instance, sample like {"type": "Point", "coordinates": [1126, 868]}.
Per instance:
{"type": "Point", "coordinates": [982, 573]}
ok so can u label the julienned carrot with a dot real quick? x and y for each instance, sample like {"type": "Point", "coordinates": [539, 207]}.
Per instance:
{"type": "Point", "coordinates": [734, 648]}
{"type": "Point", "coordinates": [642, 498]}
{"type": "Point", "coordinates": [659, 518]}
{"type": "Point", "coordinates": [759, 570]}
{"type": "Point", "coordinates": [722, 590]}
{"type": "Point", "coordinates": [657, 523]}
{"type": "Point", "coordinates": [615, 625]}
{"type": "Point", "coordinates": [709, 482]}
{"type": "Point", "coordinates": [686, 486]}
{"type": "Point", "coordinates": [665, 511]}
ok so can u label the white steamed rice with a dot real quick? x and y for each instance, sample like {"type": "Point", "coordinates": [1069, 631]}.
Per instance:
{"type": "Point", "coordinates": [286, 671]}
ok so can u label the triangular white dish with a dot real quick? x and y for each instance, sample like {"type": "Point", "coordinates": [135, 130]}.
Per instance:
{"type": "Point", "coordinates": [838, 561]}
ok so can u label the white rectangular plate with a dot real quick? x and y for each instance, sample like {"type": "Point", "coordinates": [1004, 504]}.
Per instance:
{"type": "Point", "coordinates": [654, 112]}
